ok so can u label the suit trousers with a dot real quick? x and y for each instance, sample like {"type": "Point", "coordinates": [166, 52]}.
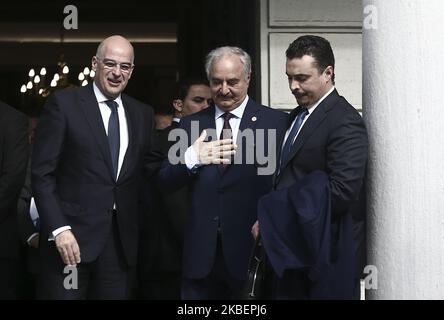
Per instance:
{"type": "Point", "coordinates": [294, 285]}
{"type": "Point", "coordinates": [106, 278]}
{"type": "Point", "coordinates": [218, 285]}
{"type": "Point", "coordinates": [9, 278]}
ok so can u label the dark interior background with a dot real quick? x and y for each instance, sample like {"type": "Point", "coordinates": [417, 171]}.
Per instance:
{"type": "Point", "coordinates": [200, 25]}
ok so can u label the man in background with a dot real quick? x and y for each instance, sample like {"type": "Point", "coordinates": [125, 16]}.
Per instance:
{"type": "Point", "coordinates": [160, 266]}
{"type": "Point", "coordinates": [162, 119]}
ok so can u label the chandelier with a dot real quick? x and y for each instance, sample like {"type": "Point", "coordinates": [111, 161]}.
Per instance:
{"type": "Point", "coordinates": [39, 85]}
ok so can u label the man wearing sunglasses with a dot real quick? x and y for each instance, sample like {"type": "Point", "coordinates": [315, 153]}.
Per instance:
{"type": "Point", "coordinates": [93, 146]}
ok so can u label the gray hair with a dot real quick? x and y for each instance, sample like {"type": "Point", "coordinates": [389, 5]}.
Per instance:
{"type": "Point", "coordinates": [227, 51]}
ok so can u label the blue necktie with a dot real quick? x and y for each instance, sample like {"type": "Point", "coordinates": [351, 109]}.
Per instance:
{"type": "Point", "coordinates": [289, 142]}
{"type": "Point", "coordinates": [114, 135]}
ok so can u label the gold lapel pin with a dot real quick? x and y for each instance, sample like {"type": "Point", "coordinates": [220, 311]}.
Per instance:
{"type": "Point", "coordinates": [253, 119]}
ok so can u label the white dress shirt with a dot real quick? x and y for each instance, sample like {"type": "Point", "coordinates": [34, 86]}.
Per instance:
{"type": "Point", "coordinates": [33, 213]}
{"type": "Point", "coordinates": [191, 158]}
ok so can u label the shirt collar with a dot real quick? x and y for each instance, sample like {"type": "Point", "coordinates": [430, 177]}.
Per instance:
{"type": "Point", "coordinates": [238, 112]}
{"type": "Point", "coordinates": [101, 97]}
{"type": "Point", "coordinates": [313, 107]}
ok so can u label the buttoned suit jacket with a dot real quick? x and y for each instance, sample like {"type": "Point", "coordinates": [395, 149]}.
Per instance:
{"type": "Point", "coordinates": [72, 175]}
{"type": "Point", "coordinates": [225, 199]}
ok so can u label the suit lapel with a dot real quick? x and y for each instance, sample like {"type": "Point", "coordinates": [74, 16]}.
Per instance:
{"type": "Point", "coordinates": [312, 123]}
{"type": "Point", "coordinates": [207, 121]}
{"type": "Point", "coordinates": [131, 122]}
{"type": "Point", "coordinates": [90, 107]}
{"type": "Point", "coordinates": [249, 118]}
{"type": "Point", "coordinates": [292, 116]}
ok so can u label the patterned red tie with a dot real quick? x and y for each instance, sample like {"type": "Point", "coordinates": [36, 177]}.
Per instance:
{"type": "Point", "coordinates": [226, 133]}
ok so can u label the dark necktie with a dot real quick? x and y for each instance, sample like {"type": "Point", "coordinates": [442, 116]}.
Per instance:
{"type": "Point", "coordinates": [226, 133]}
{"type": "Point", "coordinates": [290, 139]}
{"type": "Point", "coordinates": [114, 135]}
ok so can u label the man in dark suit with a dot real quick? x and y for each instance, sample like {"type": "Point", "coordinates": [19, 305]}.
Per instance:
{"type": "Point", "coordinates": [92, 146]}
{"type": "Point", "coordinates": [160, 263]}
{"type": "Point", "coordinates": [324, 133]}
{"type": "Point", "coordinates": [13, 163]}
{"type": "Point", "coordinates": [224, 196]}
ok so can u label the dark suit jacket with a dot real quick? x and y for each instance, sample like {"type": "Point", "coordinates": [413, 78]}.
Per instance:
{"type": "Point", "coordinates": [163, 223]}
{"type": "Point", "coordinates": [72, 172]}
{"type": "Point", "coordinates": [13, 162]}
{"type": "Point", "coordinates": [26, 226]}
{"type": "Point", "coordinates": [333, 140]}
{"type": "Point", "coordinates": [176, 204]}
{"type": "Point", "coordinates": [228, 198]}
{"type": "Point", "coordinates": [300, 238]}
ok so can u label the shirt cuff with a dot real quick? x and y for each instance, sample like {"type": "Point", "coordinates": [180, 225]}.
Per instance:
{"type": "Point", "coordinates": [56, 232]}
{"type": "Point", "coordinates": [32, 236]}
{"type": "Point", "coordinates": [191, 158]}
